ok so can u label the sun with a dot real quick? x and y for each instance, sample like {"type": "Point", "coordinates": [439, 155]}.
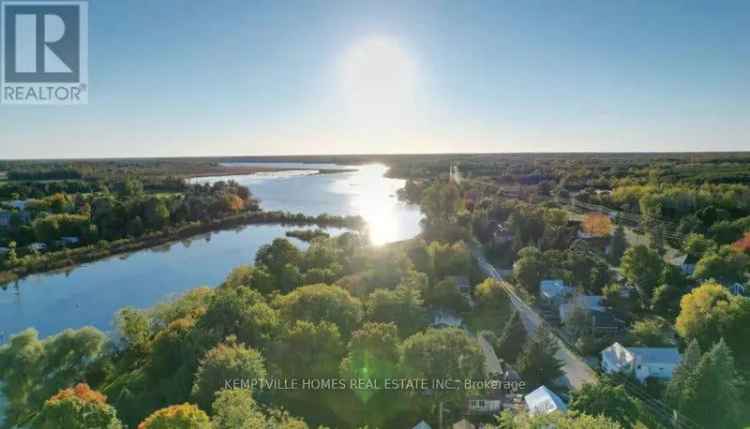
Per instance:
{"type": "Point", "coordinates": [378, 77]}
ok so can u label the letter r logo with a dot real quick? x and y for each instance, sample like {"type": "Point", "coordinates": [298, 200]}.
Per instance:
{"type": "Point", "coordinates": [41, 42]}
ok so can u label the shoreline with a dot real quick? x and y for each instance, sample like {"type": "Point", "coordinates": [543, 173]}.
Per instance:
{"type": "Point", "coordinates": [70, 258]}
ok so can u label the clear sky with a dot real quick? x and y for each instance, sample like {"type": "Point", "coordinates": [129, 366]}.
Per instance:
{"type": "Point", "coordinates": [239, 77]}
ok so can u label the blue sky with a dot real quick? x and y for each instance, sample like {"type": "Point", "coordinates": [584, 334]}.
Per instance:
{"type": "Point", "coordinates": [238, 77]}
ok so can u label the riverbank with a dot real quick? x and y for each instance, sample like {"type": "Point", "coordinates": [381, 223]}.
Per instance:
{"type": "Point", "coordinates": [68, 258]}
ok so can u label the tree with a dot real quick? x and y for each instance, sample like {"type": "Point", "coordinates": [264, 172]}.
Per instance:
{"type": "Point", "coordinates": [512, 339]}
{"type": "Point", "coordinates": [569, 420]}
{"type": "Point", "coordinates": [446, 295]}
{"type": "Point", "coordinates": [155, 213]}
{"type": "Point", "coordinates": [241, 312]}
{"type": "Point", "coordinates": [373, 355]}
{"type": "Point", "coordinates": [227, 361]}
{"type": "Point", "coordinates": [727, 266]}
{"type": "Point", "coordinates": [317, 303]}
{"type": "Point", "coordinates": [403, 306]}
{"type": "Point", "coordinates": [617, 245]}
{"type": "Point", "coordinates": [236, 409]}
{"type": "Point", "coordinates": [642, 267]}
{"type": "Point", "coordinates": [710, 312]}
{"type": "Point", "coordinates": [675, 393]}
{"type": "Point", "coordinates": [743, 244]}
{"type": "Point", "coordinates": [650, 333]}
{"type": "Point", "coordinates": [134, 332]}
{"type": "Point", "coordinates": [25, 364]}
{"type": "Point", "coordinates": [657, 239]}
{"type": "Point", "coordinates": [538, 363]}
{"type": "Point", "coordinates": [439, 354]}
{"type": "Point", "coordinates": [605, 399]}
{"type": "Point", "coordinates": [77, 408]}
{"type": "Point", "coordinates": [697, 244]}
{"type": "Point", "coordinates": [712, 391]}
{"type": "Point", "coordinates": [529, 269]}
{"type": "Point", "coordinates": [185, 416]}
{"type": "Point", "coordinates": [277, 255]}
{"type": "Point", "coordinates": [309, 350]}
{"type": "Point", "coordinates": [597, 224]}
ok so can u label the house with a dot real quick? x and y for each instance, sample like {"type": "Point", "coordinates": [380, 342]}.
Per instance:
{"type": "Point", "coordinates": [16, 204]}
{"type": "Point", "coordinates": [687, 266]}
{"type": "Point", "coordinates": [38, 247]}
{"type": "Point", "coordinates": [446, 319]}
{"type": "Point", "coordinates": [604, 322]}
{"type": "Point", "coordinates": [70, 241]}
{"type": "Point", "coordinates": [643, 362]}
{"type": "Point", "coordinates": [544, 401]}
{"type": "Point", "coordinates": [554, 291]}
{"type": "Point", "coordinates": [585, 303]}
{"type": "Point", "coordinates": [463, 424]}
{"type": "Point", "coordinates": [737, 288]}
{"type": "Point", "coordinates": [422, 425]}
{"type": "Point", "coordinates": [502, 235]}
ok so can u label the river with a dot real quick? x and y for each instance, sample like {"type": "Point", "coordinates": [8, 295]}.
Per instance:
{"type": "Point", "coordinates": [90, 294]}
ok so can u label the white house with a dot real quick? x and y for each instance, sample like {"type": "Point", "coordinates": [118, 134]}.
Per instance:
{"type": "Point", "coordinates": [70, 241]}
{"type": "Point", "coordinates": [554, 290]}
{"type": "Point", "coordinates": [643, 362]}
{"type": "Point", "coordinates": [38, 247]}
{"type": "Point", "coordinates": [586, 303]}
{"type": "Point", "coordinates": [422, 425]}
{"type": "Point", "coordinates": [446, 319]}
{"type": "Point", "coordinates": [544, 401]}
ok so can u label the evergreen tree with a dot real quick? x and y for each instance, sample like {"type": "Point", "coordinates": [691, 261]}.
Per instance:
{"type": "Point", "coordinates": [713, 389]}
{"type": "Point", "coordinates": [537, 362]}
{"type": "Point", "coordinates": [677, 386]}
{"type": "Point", "coordinates": [512, 339]}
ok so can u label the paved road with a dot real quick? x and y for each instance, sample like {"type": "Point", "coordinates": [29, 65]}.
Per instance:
{"type": "Point", "coordinates": [577, 372]}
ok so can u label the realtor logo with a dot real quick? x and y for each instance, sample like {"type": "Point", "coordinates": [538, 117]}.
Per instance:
{"type": "Point", "coordinates": [44, 52]}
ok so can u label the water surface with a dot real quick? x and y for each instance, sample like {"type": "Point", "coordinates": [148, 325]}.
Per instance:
{"type": "Point", "coordinates": [90, 294]}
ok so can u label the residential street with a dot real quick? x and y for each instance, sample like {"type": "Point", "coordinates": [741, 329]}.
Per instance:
{"type": "Point", "coordinates": [577, 372]}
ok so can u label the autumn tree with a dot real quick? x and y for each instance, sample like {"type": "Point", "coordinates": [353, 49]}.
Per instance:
{"type": "Point", "coordinates": [743, 244]}
{"type": "Point", "coordinates": [597, 224]}
{"type": "Point", "coordinates": [185, 416]}
{"type": "Point", "coordinates": [710, 312]}
{"type": "Point", "coordinates": [27, 367]}
{"type": "Point", "coordinates": [77, 408]}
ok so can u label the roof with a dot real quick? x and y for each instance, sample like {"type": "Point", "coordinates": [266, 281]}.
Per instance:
{"type": "Point", "coordinates": [667, 355]}
{"type": "Point", "coordinates": [463, 424]}
{"type": "Point", "coordinates": [603, 319]}
{"type": "Point", "coordinates": [552, 288]}
{"type": "Point", "coordinates": [446, 318]}
{"type": "Point", "coordinates": [647, 355]}
{"type": "Point", "coordinates": [422, 425]}
{"type": "Point", "coordinates": [544, 401]}
{"type": "Point", "coordinates": [617, 353]}
{"type": "Point", "coordinates": [584, 302]}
